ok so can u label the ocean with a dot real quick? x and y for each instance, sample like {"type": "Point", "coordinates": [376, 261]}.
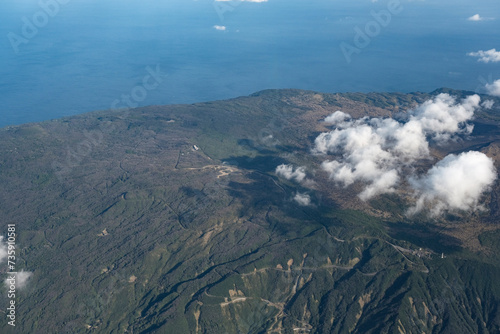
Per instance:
{"type": "Point", "coordinates": [65, 57]}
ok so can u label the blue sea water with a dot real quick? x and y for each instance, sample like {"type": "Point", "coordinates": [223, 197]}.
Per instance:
{"type": "Point", "coordinates": [90, 53]}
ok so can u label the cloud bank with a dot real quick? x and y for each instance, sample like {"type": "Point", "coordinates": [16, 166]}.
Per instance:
{"type": "Point", "coordinates": [454, 183]}
{"type": "Point", "coordinates": [379, 154]}
{"type": "Point", "coordinates": [375, 150]}
{"type": "Point", "coordinates": [492, 56]}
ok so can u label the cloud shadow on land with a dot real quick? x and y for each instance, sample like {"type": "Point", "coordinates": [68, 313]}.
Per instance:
{"type": "Point", "coordinates": [425, 235]}
{"type": "Point", "coordinates": [273, 146]}
{"type": "Point", "coordinates": [268, 202]}
{"type": "Point", "coordinates": [263, 164]}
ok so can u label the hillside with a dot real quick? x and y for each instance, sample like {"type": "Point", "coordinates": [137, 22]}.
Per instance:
{"type": "Point", "coordinates": [173, 219]}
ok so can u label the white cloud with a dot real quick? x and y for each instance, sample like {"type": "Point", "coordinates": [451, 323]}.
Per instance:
{"type": "Point", "coordinates": [375, 150]}
{"type": "Point", "coordinates": [475, 17]}
{"type": "Point", "coordinates": [486, 56]}
{"type": "Point", "coordinates": [454, 183]}
{"type": "Point", "coordinates": [288, 172]}
{"type": "Point", "coordinates": [22, 278]}
{"type": "Point", "coordinates": [494, 88]}
{"type": "Point", "coordinates": [364, 158]}
{"type": "Point", "coordinates": [442, 118]}
{"type": "Point", "coordinates": [383, 184]}
{"type": "Point", "coordinates": [302, 199]}
{"type": "Point", "coordinates": [337, 117]}
{"type": "Point", "coordinates": [488, 104]}
{"type": "Point", "coordinates": [220, 28]}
